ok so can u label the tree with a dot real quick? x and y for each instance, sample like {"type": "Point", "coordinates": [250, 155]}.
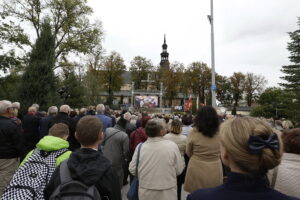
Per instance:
{"type": "Point", "coordinates": [38, 81]}
{"type": "Point", "coordinates": [292, 72]}
{"type": "Point", "coordinates": [254, 85]}
{"type": "Point", "coordinates": [200, 78]}
{"type": "Point", "coordinates": [273, 102]}
{"type": "Point", "coordinates": [72, 29]}
{"type": "Point", "coordinates": [75, 93]}
{"type": "Point", "coordinates": [111, 74]}
{"type": "Point", "coordinates": [140, 69]}
{"type": "Point", "coordinates": [171, 78]}
{"type": "Point", "coordinates": [224, 93]}
{"type": "Point", "coordinates": [237, 87]}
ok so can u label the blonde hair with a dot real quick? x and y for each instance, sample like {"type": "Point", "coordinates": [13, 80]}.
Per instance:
{"type": "Point", "coordinates": [287, 124]}
{"type": "Point", "coordinates": [235, 133]}
{"type": "Point", "coordinates": [176, 126]}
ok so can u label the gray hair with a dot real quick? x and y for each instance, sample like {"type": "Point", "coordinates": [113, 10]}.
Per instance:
{"type": "Point", "coordinates": [4, 105]}
{"type": "Point", "coordinates": [65, 109]}
{"type": "Point", "coordinates": [155, 126]}
{"type": "Point", "coordinates": [82, 111]}
{"type": "Point", "coordinates": [52, 110]}
{"type": "Point", "coordinates": [36, 106]}
{"type": "Point", "coordinates": [100, 108]}
{"type": "Point", "coordinates": [32, 109]}
{"type": "Point", "coordinates": [16, 105]}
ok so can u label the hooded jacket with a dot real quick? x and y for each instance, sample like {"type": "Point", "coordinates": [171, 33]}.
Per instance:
{"type": "Point", "coordinates": [91, 168]}
{"type": "Point", "coordinates": [51, 143]}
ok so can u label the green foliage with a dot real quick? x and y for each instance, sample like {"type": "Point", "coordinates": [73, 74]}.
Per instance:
{"type": "Point", "coordinates": [237, 81]}
{"type": "Point", "coordinates": [38, 83]}
{"type": "Point", "coordinates": [254, 85]}
{"type": "Point", "coordinates": [199, 79]}
{"type": "Point", "coordinates": [69, 19]}
{"type": "Point", "coordinates": [140, 68]}
{"type": "Point", "coordinates": [75, 96]}
{"type": "Point", "coordinates": [111, 74]}
{"type": "Point", "coordinates": [224, 94]}
{"type": "Point", "coordinates": [8, 86]}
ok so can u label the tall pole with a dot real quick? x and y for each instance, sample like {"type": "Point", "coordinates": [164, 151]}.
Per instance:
{"type": "Point", "coordinates": [161, 94]}
{"type": "Point", "coordinates": [213, 78]}
{"type": "Point", "coordinates": [132, 94]}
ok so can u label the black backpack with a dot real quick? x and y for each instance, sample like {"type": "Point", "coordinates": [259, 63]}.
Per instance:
{"type": "Point", "coordinates": [70, 189]}
{"type": "Point", "coordinates": [30, 179]}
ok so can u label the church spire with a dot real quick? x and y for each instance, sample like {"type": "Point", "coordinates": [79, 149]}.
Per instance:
{"type": "Point", "coordinates": [164, 63]}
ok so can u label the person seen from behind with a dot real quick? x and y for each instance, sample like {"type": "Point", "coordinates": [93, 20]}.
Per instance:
{"type": "Point", "coordinates": [250, 148]}
{"type": "Point", "coordinates": [160, 163]}
{"type": "Point", "coordinates": [285, 178]}
{"type": "Point", "coordinates": [203, 147]}
{"type": "Point", "coordinates": [87, 165]}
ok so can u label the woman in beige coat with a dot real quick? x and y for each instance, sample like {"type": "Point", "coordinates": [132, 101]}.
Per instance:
{"type": "Point", "coordinates": [203, 147]}
{"type": "Point", "coordinates": [159, 164]}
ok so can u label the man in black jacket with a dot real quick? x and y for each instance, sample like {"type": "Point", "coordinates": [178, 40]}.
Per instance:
{"type": "Point", "coordinates": [11, 148]}
{"type": "Point", "coordinates": [63, 117]}
{"type": "Point", "coordinates": [87, 164]}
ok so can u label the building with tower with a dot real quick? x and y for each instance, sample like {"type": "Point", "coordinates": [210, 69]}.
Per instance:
{"type": "Point", "coordinates": [164, 62]}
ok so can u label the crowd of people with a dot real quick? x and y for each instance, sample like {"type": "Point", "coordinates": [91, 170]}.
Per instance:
{"type": "Point", "coordinates": [94, 152]}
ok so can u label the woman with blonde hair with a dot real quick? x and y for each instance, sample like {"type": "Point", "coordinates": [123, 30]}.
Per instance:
{"type": "Point", "coordinates": [250, 148]}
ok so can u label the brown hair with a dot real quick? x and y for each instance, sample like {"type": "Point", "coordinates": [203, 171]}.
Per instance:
{"type": "Point", "coordinates": [88, 129]}
{"type": "Point", "coordinates": [291, 140]}
{"type": "Point", "coordinates": [235, 134]}
{"type": "Point", "coordinates": [176, 126]}
{"type": "Point", "coordinates": [59, 130]}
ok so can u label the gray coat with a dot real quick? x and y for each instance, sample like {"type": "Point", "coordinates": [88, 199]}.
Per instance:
{"type": "Point", "coordinates": [116, 148]}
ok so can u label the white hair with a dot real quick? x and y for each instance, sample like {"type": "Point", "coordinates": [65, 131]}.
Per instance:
{"type": "Point", "coordinates": [4, 105]}
{"type": "Point", "coordinates": [16, 105]}
{"type": "Point", "coordinates": [65, 109]}
{"type": "Point", "coordinates": [36, 106]}
{"type": "Point", "coordinates": [52, 110]}
{"type": "Point", "coordinates": [100, 108]}
{"type": "Point", "coordinates": [127, 116]}
{"type": "Point", "coordinates": [32, 109]}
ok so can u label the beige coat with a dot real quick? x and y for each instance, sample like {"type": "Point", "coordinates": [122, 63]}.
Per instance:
{"type": "Point", "coordinates": [179, 139]}
{"type": "Point", "coordinates": [288, 175]}
{"type": "Point", "coordinates": [205, 168]}
{"type": "Point", "coordinates": [160, 164]}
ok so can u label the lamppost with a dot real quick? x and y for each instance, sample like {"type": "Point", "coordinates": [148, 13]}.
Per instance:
{"type": "Point", "coordinates": [213, 78]}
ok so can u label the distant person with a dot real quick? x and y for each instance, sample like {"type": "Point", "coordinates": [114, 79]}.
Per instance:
{"type": "Point", "coordinates": [203, 147]}
{"type": "Point", "coordinates": [108, 113]}
{"type": "Point", "coordinates": [48, 154]}
{"type": "Point", "coordinates": [160, 163]}
{"type": "Point", "coordinates": [116, 147]}
{"type": "Point", "coordinates": [11, 144]}
{"type": "Point", "coordinates": [30, 126]}
{"type": "Point", "coordinates": [44, 122]}
{"type": "Point", "coordinates": [106, 121]}
{"type": "Point", "coordinates": [250, 148]}
{"type": "Point", "coordinates": [63, 117]}
{"type": "Point", "coordinates": [187, 122]}
{"type": "Point", "coordinates": [14, 117]}
{"type": "Point", "coordinates": [82, 113]}
{"type": "Point", "coordinates": [88, 165]}
{"type": "Point", "coordinates": [285, 177]}
{"type": "Point", "coordinates": [179, 139]}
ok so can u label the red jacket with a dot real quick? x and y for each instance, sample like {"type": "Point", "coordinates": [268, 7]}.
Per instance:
{"type": "Point", "coordinates": [136, 137]}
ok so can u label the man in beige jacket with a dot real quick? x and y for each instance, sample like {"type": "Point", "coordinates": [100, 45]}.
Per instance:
{"type": "Point", "coordinates": [160, 163]}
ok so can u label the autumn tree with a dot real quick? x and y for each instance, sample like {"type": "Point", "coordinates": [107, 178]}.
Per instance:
{"type": "Point", "coordinates": [200, 78]}
{"type": "Point", "coordinates": [237, 81]}
{"type": "Point", "coordinates": [140, 68]}
{"type": "Point", "coordinates": [254, 85]}
{"type": "Point", "coordinates": [224, 92]}
{"type": "Point", "coordinates": [69, 20]}
{"type": "Point", "coordinates": [111, 74]}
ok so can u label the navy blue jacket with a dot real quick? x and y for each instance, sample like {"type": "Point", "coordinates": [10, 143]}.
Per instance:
{"type": "Point", "coordinates": [240, 187]}
{"type": "Point", "coordinates": [106, 121]}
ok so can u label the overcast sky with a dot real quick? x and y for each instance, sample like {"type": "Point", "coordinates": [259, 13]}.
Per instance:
{"type": "Point", "coordinates": [250, 35]}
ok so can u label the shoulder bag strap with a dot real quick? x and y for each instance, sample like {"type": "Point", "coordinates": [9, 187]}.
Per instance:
{"type": "Point", "coordinates": [138, 159]}
{"type": "Point", "coordinates": [274, 177]}
{"type": "Point", "coordinates": [64, 171]}
{"type": "Point", "coordinates": [103, 143]}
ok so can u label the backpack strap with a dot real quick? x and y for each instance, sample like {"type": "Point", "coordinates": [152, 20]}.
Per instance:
{"type": "Point", "coordinates": [138, 158]}
{"type": "Point", "coordinates": [64, 171]}
{"type": "Point", "coordinates": [105, 139]}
